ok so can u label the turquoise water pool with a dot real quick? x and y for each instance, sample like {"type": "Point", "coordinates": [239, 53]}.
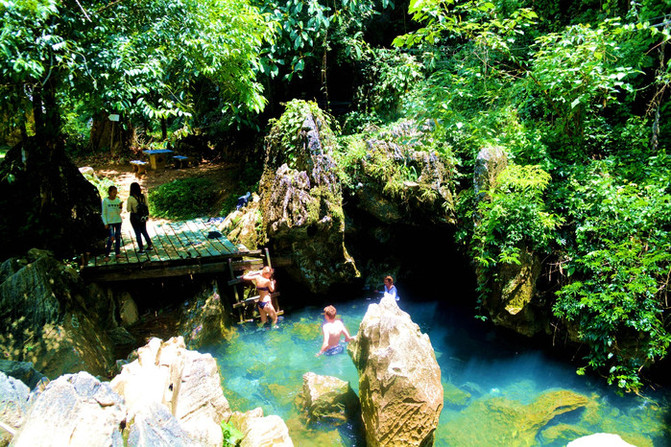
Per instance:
{"type": "Point", "coordinates": [494, 390]}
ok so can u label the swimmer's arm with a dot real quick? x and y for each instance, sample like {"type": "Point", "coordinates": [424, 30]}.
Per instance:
{"type": "Point", "coordinates": [271, 285]}
{"type": "Point", "coordinates": [250, 275]}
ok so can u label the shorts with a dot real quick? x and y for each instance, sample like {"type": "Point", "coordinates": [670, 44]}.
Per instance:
{"type": "Point", "coordinates": [338, 349]}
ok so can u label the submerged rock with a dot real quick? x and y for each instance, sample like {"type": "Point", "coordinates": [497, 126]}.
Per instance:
{"type": "Point", "coordinates": [502, 422]}
{"type": "Point", "coordinates": [259, 430]}
{"type": "Point", "coordinates": [399, 378]}
{"type": "Point", "coordinates": [329, 399]}
{"type": "Point", "coordinates": [185, 382]}
{"type": "Point", "coordinates": [74, 410]}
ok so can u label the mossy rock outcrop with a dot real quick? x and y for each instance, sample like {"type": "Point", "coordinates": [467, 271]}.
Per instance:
{"type": "Point", "coordinates": [301, 200]}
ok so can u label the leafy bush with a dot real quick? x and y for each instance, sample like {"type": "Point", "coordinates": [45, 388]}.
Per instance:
{"type": "Point", "coordinates": [513, 217]}
{"type": "Point", "coordinates": [618, 267]}
{"type": "Point", "coordinates": [183, 199]}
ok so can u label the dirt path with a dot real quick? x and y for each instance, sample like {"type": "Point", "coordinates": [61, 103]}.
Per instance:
{"type": "Point", "coordinates": [224, 175]}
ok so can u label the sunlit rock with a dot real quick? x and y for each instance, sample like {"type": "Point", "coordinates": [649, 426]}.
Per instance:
{"type": "Point", "coordinates": [399, 378]}
{"type": "Point", "coordinates": [329, 399]}
{"type": "Point", "coordinates": [44, 318]}
{"type": "Point", "coordinates": [599, 440]}
{"type": "Point", "coordinates": [243, 226]}
{"type": "Point", "coordinates": [154, 426]}
{"type": "Point", "coordinates": [74, 410]}
{"type": "Point", "coordinates": [301, 203]}
{"type": "Point", "coordinates": [186, 382]}
{"type": "Point", "coordinates": [128, 313]}
{"type": "Point", "coordinates": [14, 405]}
{"type": "Point", "coordinates": [498, 421]}
{"type": "Point", "coordinates": [260, 431]}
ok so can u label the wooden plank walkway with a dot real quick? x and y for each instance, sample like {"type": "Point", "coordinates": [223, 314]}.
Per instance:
{"type": "Point", "coordinates": [180, 248]}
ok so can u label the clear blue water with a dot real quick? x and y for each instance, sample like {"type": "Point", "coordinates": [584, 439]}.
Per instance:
{"type": "Point", "coordinates": [491, 384]}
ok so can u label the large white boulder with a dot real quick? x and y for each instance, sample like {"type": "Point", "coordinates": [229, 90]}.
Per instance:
{"type": "Point", "coordinates": [399, 378]}
{"type": "Point", "coordinates": [186, 382]}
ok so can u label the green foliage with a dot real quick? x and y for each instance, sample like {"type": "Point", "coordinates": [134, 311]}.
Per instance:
{"type": "Point", "coordinates": [287, 130]}
{"type": "Point", "coordinates": [308, 30]}
{"type": "Point", "coordinates": [232, 436]}
{"type": "Point", "coordinates": [512, 217]}
{"type": "Point", "coordinates": [101, 184]}
{"type": "Point", "coordinates": [141, 59]}
{"type": "Point", "coordinates": [388, 75]}
{"type": "Point", "coordinates": [183, 199]}
{"type": "Point", "coordinates": [576, 73]}
{"type": "Point", "coordinates": [618, 267]}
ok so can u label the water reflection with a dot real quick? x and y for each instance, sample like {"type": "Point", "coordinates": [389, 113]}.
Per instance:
{"type": "Point", "coordinates": [496, 393]}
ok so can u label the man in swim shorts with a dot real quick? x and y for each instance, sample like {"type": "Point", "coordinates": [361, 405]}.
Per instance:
{"type": "Point", "coordinates": [332, 330]}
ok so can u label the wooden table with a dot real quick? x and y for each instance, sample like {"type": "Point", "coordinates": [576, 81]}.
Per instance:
{"type": "Point", "coordinates": [157, 158]}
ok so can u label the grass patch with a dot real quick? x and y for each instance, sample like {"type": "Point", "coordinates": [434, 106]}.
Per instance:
{"type": "Point", "coordinates": [183, 199]}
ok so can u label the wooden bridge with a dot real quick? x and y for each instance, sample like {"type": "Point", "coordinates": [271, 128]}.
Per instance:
{"type": "Point", "coordinates": [185, 248]}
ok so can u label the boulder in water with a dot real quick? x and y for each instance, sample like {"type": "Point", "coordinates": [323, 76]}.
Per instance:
{"type": "Point", "coordinates": [259, 430]}
{"type": "Point", "coordinates": [503, 422]}
{"type": "Point", "coordinates": [74, 410]}
{"type": "Point", "coordinates": [329, 399]}
{"type": "Point", "coordinates": [399, 378]}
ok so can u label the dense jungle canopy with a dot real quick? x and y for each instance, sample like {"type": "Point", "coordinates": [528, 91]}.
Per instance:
{"type": "Point", "coordinates": [575, 92]}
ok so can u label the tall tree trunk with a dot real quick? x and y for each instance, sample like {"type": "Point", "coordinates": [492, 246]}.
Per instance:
{"type": "Point", "coordinates": [164, 129]}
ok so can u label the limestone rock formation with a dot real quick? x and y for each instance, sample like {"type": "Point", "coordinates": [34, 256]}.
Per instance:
{"type": "Point", "coordinates": [243, 226]}
{"type": "Point", "coordinates": [205, 319]}
{"type": "Point", "coordinates": [400, 181]}
{"type": "Point", "coordinates": [23, 371]}
{"type": "Point", "coordinates": [52, 205]}
{"type": "Point", "coordinates": [507, 423]}
{"type": "Point", "coordinates": [155, 426]}
{"type": "Point", "coordinates": [399, 378]}
{"type": "Point", "coordinates": [329, 399]}
{"type": "Point", "coordinates": [14, 405]}
{"type": "Point", "coordinates": [599, 440]}
{"type": "Point", "coordinates": [74, 410]}
{"type": "Point", "coordinates": [261, 431]}
{"type": "Point", "coordinates": [44, 318]}
{"type": "Point", "coordinates": [301, 202]}
{"type": "Point", "coordinates": [186, 382]}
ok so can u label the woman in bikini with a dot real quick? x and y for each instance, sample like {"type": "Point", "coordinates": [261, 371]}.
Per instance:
{"type": "Point", "coordinates": [265, 285]}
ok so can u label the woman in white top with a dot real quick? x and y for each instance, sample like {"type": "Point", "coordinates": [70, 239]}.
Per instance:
{"type": "Point", "coordinates": [111, 214]}
{"type": "Point", "coordinates": [138, 217]}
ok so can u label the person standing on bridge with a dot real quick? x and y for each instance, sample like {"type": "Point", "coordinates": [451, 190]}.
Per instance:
{"type": "Point", "coordinates": [111, 214]}
{"type": "Point", "coordinates": [265, 284]}
{"type": "Point", "coordinates": [139, 213]}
